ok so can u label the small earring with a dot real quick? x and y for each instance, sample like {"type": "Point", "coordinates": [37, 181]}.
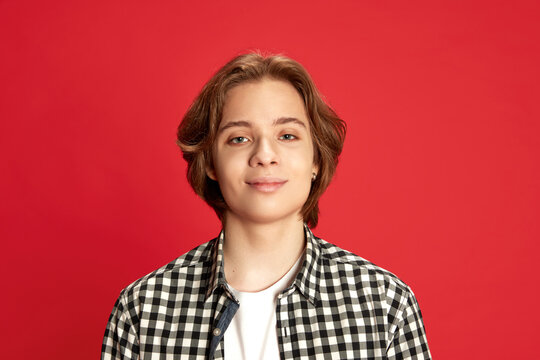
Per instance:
{"type": "Point", "coordinates": [313, 177]}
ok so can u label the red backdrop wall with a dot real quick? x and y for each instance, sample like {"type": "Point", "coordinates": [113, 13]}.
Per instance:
{"type": "Point", "coordinates": [438, 183]}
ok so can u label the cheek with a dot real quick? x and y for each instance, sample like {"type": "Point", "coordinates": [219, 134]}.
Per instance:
{"type": "Point", "coordinates": [220, 161]}
{"type": "Point", "coordinates": [229, 169]}
{"type": "Point", "coordinates": [304, 161]}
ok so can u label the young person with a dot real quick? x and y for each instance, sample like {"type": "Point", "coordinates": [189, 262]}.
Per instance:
{"type": "Point", "coordinates": [261, 147]}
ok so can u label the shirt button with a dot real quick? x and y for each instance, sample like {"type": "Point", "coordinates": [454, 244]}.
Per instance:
{"type": "Point", "coordinates": [217, 332]}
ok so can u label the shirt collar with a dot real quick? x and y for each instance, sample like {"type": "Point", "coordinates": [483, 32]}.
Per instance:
{"type": "Point", "coordinates": [307, 279]}
{"type": "Point", "coordinates": [217, 273]}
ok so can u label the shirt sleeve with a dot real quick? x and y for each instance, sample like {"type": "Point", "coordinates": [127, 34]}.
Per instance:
{"type": "Point", "coordinates": [121, 341]}
{"type": "Point", "coordinates": [409, 341]}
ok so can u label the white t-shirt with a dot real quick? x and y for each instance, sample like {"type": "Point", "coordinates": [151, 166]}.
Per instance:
{"type": "Point", "coordinates": [252, 333]}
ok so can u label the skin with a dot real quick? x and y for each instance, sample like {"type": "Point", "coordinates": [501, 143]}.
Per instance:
{"type": "Point", "coordinates": [263, 161]}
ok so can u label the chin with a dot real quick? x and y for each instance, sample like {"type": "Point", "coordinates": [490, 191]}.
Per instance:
{"type": "Point", "coordinates": [266, 215]}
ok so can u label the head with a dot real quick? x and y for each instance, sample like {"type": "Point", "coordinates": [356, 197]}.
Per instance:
{"type": "Point", "coordinates": [199, 129]}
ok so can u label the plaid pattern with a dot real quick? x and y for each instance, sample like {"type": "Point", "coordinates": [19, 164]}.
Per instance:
{"type": "Point", "coordinates": [339, 306]}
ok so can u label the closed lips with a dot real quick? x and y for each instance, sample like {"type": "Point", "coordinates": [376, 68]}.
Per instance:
{"type": "Point", "coordinates": [269, 181]}
{"type": "Point", "coordinates": [266, 185]}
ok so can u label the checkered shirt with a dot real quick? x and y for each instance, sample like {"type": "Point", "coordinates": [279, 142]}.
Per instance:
{"type": "Point", "coordinates": [339, 306]}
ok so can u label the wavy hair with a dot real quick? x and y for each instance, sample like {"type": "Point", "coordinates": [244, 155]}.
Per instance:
{"type": "Point", "coordinates": [198, 129]}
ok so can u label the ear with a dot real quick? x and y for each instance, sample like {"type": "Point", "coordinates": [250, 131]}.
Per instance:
{"type": "Point", "coordinates": [315, 169]}
{"type": "Point", "coordinates": [211, 173]}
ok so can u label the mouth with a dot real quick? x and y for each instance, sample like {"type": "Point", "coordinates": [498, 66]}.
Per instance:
{"type": "Point", "coordinates": [266, 185]}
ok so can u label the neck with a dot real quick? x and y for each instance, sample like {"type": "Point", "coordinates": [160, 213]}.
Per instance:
{"type": "Point", "coordinates": [257, 255]}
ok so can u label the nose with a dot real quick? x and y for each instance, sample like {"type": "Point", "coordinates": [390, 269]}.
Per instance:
{"type": "Point", "coordinates": [264, 154]}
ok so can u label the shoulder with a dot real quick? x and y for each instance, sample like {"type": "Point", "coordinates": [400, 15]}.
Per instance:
{"type": "Point", "coordinates": [363, 273]}
{"type": "Point", "coordinates": [173, 274]}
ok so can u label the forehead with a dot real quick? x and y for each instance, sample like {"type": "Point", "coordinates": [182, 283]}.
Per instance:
{"type": "Point", "coordinates": [263, 101]}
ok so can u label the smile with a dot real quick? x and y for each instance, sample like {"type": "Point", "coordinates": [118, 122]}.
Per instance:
{"type": "Point", "coordinates": [266, 185]}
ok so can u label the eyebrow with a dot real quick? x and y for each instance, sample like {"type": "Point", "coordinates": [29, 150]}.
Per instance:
{"type": "Point", "coordinates": [278, 121]}
{"type": "Point", "coordinates": [286, 120]}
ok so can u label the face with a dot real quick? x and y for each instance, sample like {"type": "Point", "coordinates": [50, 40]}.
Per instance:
{"type": "Point", "coordinates": [263, 153]}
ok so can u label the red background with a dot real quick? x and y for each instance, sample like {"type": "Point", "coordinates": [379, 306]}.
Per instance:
{"type": "Point", "coordinates": [438, 183]}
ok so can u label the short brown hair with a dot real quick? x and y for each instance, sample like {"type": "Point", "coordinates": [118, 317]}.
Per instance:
{"type": "Point", "coordinates": [198, 129]}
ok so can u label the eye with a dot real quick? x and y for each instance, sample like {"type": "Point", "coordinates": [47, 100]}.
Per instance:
{"type": "Point", "coordinates": [238, 140]}
{"type": "Point", "coordinates": [287, 137]}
